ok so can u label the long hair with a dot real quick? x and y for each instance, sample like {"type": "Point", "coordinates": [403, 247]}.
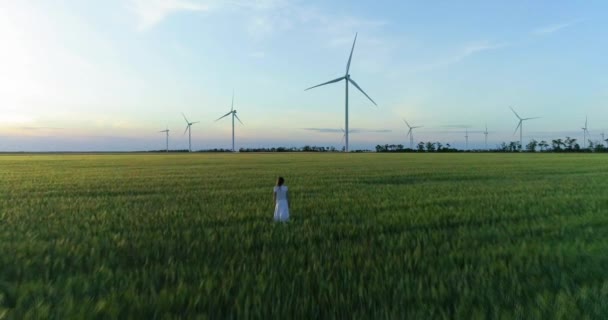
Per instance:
{"type": "Point", "coordinates": [280, 182]}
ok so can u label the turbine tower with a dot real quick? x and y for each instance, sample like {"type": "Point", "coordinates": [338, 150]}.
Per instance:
{"type": "Point", "coordinates": [189, 129]}
{"type": "Point", "coordinates": [233, 113]}
{"type": "Point", "coordinates": [410, 133]}
{"type": "Point", "coordinates": [585, 134]}
{"type": "Point", "coordinates": [486, 134]}
{"type": "Point", "coordinates": [520, 127]}
{"type": "Point", "coordinates": [167, 132]}
{"type": "Point", "coordinates": [346, 79]}
{"type": "Point", "coordinates": [466, 137]}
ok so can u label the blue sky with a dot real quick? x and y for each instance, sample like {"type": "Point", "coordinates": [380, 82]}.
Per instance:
{"type": "Point", "coordinates": [108, 75]}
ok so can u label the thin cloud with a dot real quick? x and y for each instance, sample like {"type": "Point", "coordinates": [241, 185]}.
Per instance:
{"type": "Point", "coordinates": [41, 128]}
{"type": "Point", "coordinates": [355, 130]}
{"type": "Point", "coordinates": [458, 126]}
{"type": "Point", "coordinates": [546, 30]}
{"type": "Point", "coordinates": [257, 54]}
{"type": "Point", "coordinates": [151, 12]}
{"type": "Point", "coordinates": [467, 51]}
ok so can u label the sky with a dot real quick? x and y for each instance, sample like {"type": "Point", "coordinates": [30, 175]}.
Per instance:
{"type": "Point", "coordinates": [109, 75]}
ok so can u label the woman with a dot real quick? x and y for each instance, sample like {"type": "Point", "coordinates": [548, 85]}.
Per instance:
{"type": "Point", "coordinates": [281, 200]}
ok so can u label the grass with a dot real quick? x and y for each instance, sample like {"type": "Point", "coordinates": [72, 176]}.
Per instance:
{"type": "Point", "coordinates": [372, 236]}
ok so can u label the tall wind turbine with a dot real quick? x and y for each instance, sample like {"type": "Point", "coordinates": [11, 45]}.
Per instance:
{"type": "Point", "coordinates": [233, 113]}
{"type": "Point", "coordinates": [520, 127]}
{"type": "Point", "coordinates": [167, 132]}
{"type": "Point", "coordinates": [585, 134]}
{"type": "Point", "coordinates": [486, 134]}
{"type": "Point", "coordinates": [410, 133]}
{"type": "Point", "coordinates": [466, 137]}
{"type": "Point", "coordinates": [347, 79]}
{"type": "Point", "coordinates": [189, 129]}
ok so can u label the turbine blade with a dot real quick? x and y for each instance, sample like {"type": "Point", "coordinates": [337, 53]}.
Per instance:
{"type": "Point", "coordinates": [351, 55]}
{"type": "Point", "coordinates": [185, 118]}
{"type": "Point", "coordinates": [232, 105]}
{"type": "Point", "coordinates": [518, 125]}
{"type": "Point", "coordinates": [237, 117]}
{"type": "Point", "coordinates": [223, 116]}
{"type": "Point", "coordinates": [531, 118]}
{"type": "Point", "coordinates": [357, 86]}
{"type": "Point", "coordinates": [518, 117]}
{"type": "Point", "coordinates": [328, 82]}
{"type": "Point", "coordinates": [191, 123]}
{"type": "Point", "coordinates": [406, 123]}
{"type": "Point", "coordinates": [188, 126]}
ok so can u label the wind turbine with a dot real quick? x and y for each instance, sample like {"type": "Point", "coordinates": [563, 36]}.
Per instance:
{"type": "Point", "coordinates": [466, 137]}
{"type": "Point", "coordinates": [410, 133]}
{"type": "Point", "coordinates": [520, 127]}
{"type": "Point", "coordinates": [167, 132]}
{"type": "Point", "coordinates": [233, 113]}
{"type": "Point", "coordinates": [486, 134]}
{"type": "Point", "coordinates": [603, 137]}
{"type": "Point", "coordinates": [347, 79]}
{"type": "Point", "coordinates": [585, 133]}
{"type": "Point", "coordinates": [189, 129]}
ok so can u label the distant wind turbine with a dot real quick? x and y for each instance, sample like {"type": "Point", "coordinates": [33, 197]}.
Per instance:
{"type": "Point", "coordinates": [233, 113]}
{"type": "Point", "coordinates": [347, 79]}
{"type": "Point", "coordinates": [189, 129]}
{"type": "Point", "coordinates": [466, 137]}
{"type": "Point", "coordinates": [410, 133]}
{"type": "Point", "coordinates": [585, 133]}
{"type": "Point", "coordinates": [520, 127]}
{"type": "Point", "coordinates": [486, 134]}
{"type": "Point", "coordinates": [167, 132]}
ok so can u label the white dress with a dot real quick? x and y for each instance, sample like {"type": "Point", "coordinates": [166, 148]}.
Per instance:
{"type": "Point", "coordinates": [281, 208]}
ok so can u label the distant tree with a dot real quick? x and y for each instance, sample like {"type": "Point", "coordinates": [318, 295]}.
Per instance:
{"type": "Point", "coordinates": [430, 147]}
{"type": "Point", "coordinates": [531, 146]}
{"type": "Point", "coordinates": [438, 146]}
{"type": "Point", "coordinates": [599, 148]}
{"type": "Point", "coordinates": [503, 147]}
{"type": "Point", "coordinates": [400, 147]}
{"type": "Point", "coordinates": [571, 144]}
{"type": "Point", "coordinates": [420, 146]}
{"type": "Point", "coordinates": [543, 145]}
{"type": "Point", "coordinates": [514, 146]}
{"type": "Point", "coordinates": [558, 144]}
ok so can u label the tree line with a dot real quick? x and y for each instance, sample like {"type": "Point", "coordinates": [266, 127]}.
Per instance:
{"type": "Point", "coordinates": [557, 145]}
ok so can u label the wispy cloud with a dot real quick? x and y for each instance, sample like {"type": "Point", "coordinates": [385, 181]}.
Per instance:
{"type": "Point", "coordinates": [546, 30]}
{"type": "Point", "coordinates": [458, 126]}
{"type": "Point", "coordinates": [354, 130]}
{"type": "Point", "coordinates": [151, 12]}
{"type": "Point", "coordinates": [257, 54]}
{"type": "Point", "coordinates": [41, 128]}
{"type": "Point", "coordinates": [465, 52]}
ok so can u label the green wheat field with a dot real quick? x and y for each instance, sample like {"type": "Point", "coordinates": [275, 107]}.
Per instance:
{"type": "Point", "coordinates": [371, 236]}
